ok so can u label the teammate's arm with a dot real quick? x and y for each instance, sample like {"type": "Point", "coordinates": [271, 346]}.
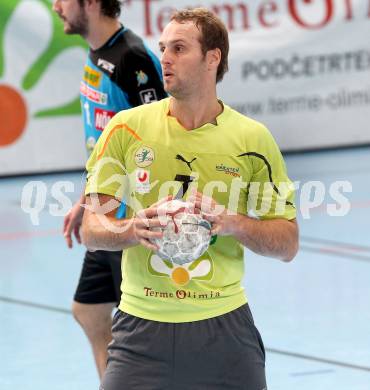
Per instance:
{"type": "Point", "coordinates": [72, 222]}
{"type": "Point", "coordinates": [101, 230]}
{"type": "Point", "coordinates": [274, 238]}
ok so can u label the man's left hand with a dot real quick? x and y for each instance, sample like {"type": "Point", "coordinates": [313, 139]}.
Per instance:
{"type": "Point", "coordinates": [222, 221]}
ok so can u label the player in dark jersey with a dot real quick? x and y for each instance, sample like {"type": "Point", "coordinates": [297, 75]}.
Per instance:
{"type": "Point", "coordinates": [120, 73]}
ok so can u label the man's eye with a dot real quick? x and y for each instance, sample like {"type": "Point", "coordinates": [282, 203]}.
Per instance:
{"type": "Point", "coordinates": [179, 48]}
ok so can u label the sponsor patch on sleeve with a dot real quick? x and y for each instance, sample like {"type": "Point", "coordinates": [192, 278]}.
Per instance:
{"type": "Point", "coordinates": [148, 96]}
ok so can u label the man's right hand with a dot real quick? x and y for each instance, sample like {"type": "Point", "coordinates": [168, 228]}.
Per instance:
{"type": "Point", "coordinates": [101, 230]}
{"type": "Point", "coordinates": [72, 223]}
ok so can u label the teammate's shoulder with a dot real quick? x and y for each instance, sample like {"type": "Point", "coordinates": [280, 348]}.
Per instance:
{"type": "Point", "coordinates": [126, 44]}
{"type": "Point", "coordinates": [131, 36]}
{"type": "Point", "coordinates": [134, 44]}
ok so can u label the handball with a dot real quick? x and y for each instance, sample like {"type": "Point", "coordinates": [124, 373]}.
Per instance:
{"type": "Point", "coordinates": [186, 235]}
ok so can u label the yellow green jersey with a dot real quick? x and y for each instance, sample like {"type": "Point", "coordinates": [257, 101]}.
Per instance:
{"type": "Point", "coordinates": [143, 155]}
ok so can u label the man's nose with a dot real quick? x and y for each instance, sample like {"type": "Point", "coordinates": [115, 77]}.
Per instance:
{"type": "Point", "coordinates": [165, 57]}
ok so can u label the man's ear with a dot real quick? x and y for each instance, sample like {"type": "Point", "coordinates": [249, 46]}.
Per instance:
{"type": "Point", "coordinates": [214, 58]}
{"type": "Point", "coordinates": [91, 5]}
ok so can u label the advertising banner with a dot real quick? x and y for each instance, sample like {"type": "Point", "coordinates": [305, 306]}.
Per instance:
{"type": "Point", "coordinates": [40, 73]}
{"type": "Point", "coordinates": [300, 67]}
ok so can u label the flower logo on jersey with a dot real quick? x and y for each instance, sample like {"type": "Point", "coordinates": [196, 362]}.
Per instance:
{"type": "Point", "coordinates": [181, 275]}
{"type": "Point", "coordinates": [36, 86]}
{"type": "Point", "coordinates": [144, 156]}
{"type": "Point", "coordinates": [142, 78]}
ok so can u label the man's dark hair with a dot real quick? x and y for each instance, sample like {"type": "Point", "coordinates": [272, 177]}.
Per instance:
{"type": "Point", "coordinates": [110, 8]}
{"type": "Point", "coordinates": [213, 33]}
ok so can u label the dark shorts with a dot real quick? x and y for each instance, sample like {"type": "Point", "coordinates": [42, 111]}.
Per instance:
{"type": "Point", "coordinates": [221, 353]}
{"type": "Point", "coordinates": [100, 278]}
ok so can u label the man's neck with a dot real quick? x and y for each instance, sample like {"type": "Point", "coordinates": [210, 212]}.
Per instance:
{"type": "Point", "coordinates": [196, 112]}
{"type": "Point", "coordinates": [101, 31]}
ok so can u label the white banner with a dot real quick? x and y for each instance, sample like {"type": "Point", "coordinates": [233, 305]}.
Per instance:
{"type": "Point", "coordinates": [300, 67]}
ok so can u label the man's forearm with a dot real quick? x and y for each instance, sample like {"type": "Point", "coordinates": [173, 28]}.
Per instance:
{"type": "Point", "coordinates": [107, 233]}
{"type": "Point", "coordinates": [275, 238]}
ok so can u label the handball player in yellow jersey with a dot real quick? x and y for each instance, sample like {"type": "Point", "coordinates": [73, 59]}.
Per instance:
{"type": "Point", "coordinates": [194, 332]}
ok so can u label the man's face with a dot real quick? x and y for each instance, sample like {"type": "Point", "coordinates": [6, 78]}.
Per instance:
{"type": "Point", "coordinates": [73, 16]}
{"type": "Point", "coordinates": [184, 67]}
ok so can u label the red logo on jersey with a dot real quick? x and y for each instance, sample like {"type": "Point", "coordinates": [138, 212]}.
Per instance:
{"type": "Point", "coordinates": [142, 176]}
{"type": "Point", "coordinates": [94, 96]}
{"type": "Point", "coordinates": [102, 117]}
{"type": "Point", "coordinates": [142, 181]}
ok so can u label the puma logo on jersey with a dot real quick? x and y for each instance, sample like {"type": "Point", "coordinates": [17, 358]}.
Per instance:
{"type": "Point", "coordinates": [188, 163]}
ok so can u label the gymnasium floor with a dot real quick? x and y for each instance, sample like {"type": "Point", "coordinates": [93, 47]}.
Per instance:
{"type": "Point", "coordinates": [313, 314]}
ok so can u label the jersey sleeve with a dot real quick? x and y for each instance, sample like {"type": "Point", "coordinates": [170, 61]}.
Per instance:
{"type": "Point", "coordinates": [106, 172]}
{"type": "Point", "coordinates": [141, 77]}
{"type": "Point", "coordinates": [270, 193]}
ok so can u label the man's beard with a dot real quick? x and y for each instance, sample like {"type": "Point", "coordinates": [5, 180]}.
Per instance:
{"type": "Point", "coordinates": [78, 25]}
